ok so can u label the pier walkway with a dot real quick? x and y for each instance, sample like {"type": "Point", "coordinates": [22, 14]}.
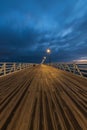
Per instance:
{"type": "Point", "coordinates": [43, 98]}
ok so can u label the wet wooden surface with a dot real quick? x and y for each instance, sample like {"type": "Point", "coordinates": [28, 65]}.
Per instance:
{"type": "Point", "coordinates": [43, 98]}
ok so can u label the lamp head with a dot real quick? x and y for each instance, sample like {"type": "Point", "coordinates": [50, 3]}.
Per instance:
{"type": "Point", "coordinates": [48, 50]}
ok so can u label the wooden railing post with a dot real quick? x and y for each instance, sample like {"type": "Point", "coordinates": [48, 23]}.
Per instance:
{"type": "Point", "coordinates": [20, 66]}
{"type": "Point", "coordinates": [4, 65]}
{"type": "Point", "coordinates": [79, 71]}
{"type": "Point", "coordinates": [26, 65]}
{"type": "Point", "coordinates": [68, 67]}
{"type": "Point", "coordinates": [14, 66]}
{"type": "Point", "coordinates": [62, 67]}
{"type": "Point", "coordinates": [74, 68]}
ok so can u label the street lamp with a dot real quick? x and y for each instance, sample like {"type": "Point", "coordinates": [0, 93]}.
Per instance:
{"type": "Point", "coordinates": [49, 52]}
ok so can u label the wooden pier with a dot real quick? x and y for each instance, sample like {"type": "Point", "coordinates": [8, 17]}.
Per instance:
{"type": "Point", "coordinates": [43, 98]}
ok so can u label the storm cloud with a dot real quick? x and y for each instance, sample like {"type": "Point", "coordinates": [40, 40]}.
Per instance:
{"type": "Point", "coordinates": [29, 27]}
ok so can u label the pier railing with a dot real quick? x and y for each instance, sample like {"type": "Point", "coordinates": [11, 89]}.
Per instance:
{"type": "Point", "coordinates": [7, 68]}
{"type": "Point", "coordinates": [76, 68]}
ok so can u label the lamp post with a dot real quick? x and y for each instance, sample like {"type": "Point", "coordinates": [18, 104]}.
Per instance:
{"type": "Point", "coordinates": [43, 60]}
{"type": "Point", "coordinates": [44, 57]}
{"type": "Point", "coordinates": [49, 52]}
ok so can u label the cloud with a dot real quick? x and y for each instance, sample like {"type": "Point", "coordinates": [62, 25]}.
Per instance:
{"type": "Point", "coordinates": [28, 28]}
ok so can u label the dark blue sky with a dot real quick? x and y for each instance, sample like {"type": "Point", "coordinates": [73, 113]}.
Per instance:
{"type": "Point", "coordinates": [29, 27]}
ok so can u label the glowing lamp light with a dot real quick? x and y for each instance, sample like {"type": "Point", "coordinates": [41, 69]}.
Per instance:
{"type": "Point", "coordinates": [48, 50]}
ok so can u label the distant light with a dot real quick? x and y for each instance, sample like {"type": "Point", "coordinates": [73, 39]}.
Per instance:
{"type": "Point", "coordinates": [48, 50]}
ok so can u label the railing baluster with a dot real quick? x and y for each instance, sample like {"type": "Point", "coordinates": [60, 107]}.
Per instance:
{"type": "Point", "coordinates": [79, 70]}
{"type": "Point", "coordinates": [4, 66]}
{"type": "Point", "coordinates": [20, 66]}
{"type": "Point", "coordinates": [14, 66]}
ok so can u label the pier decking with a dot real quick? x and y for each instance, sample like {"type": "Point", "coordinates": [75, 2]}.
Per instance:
{"type": "Point", "coordinates": [43, 98]}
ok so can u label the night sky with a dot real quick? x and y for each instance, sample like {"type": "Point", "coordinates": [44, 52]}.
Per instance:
{"type": "Point", "coordinates": [29, 27]}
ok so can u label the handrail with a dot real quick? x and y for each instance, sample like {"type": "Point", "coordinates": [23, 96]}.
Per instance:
{"type": "Point", "coordinates": [79, 68]}
{"type": "Point", "coordinates": [7, 68]}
